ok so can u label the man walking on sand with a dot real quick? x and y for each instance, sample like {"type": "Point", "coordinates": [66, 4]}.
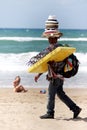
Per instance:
{"type": "Point", "coordinates": [55, 77]}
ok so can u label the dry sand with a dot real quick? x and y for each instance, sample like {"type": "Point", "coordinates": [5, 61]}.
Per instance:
{"type": "Point", "coordinates": [21, 111]}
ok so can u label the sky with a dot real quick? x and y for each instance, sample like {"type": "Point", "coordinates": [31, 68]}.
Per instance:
{"type": "Point", "coordinates": [71, 14]}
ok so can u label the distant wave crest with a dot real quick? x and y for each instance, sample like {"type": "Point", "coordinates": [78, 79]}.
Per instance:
{"type": "Point", "coordinates": [21, 39]}
{"type": "Point", "coordinates": [73, 39]}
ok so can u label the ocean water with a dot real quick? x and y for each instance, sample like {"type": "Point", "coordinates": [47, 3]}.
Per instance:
{"type": "Point", "coordinates": [17, 46]}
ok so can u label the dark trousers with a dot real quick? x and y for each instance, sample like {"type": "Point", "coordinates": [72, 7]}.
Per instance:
{"type": "Point", "coordinates": [56, 87]}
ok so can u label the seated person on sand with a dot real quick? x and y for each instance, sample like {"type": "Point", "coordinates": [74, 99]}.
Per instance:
{"type": "Point", "coordinates": [17, 86]}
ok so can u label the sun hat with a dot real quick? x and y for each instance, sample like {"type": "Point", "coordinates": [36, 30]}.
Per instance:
{"type": "Point", "coordinates": [52, 33]}
{"type": "Point", "coordinates": [51, 27]}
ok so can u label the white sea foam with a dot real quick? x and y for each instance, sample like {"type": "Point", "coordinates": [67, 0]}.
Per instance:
{"type": "Point", "coordinates": [15, 62]}
{"type": "Point", "coordinates": [12, 65]}
{"type": "Point", "coordinates": [18, 62]}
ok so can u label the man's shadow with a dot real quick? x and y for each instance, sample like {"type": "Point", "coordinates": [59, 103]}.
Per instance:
{"type": "Point", "coordinates": [71, 119]}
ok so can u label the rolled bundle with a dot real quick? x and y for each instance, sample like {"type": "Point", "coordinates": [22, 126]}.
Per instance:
{"type": "Point", "coordinates": [51, 23]}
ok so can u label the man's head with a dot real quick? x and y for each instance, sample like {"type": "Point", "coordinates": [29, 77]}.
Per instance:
{"type": "Point", "coordinates": [52, 40]}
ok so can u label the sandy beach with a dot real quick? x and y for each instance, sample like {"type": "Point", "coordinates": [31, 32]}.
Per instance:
{"type": "Point", "coordinates": [21, 111]}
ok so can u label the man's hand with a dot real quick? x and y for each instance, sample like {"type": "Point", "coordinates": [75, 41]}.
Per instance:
{"type": "Point", "coordinates": [37, 77]}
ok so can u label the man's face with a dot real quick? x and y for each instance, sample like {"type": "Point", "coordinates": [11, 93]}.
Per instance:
{"type": "Point", "coordinates": [52, 40]}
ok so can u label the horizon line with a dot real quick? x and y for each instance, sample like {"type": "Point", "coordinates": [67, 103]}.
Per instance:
{"type": "Point", "coordinates": [41, 28]}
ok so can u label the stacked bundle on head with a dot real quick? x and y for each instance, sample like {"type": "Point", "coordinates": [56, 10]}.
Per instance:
{"type": "Point", "coordinates": [51, 28]}
{"type": "Point", "coordinates": [51, 23]}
